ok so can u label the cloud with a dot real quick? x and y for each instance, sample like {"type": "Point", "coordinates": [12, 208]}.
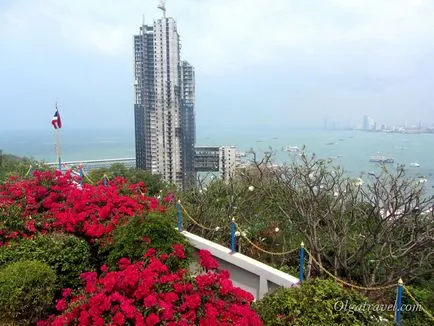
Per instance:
{"type": "Point", "coordinates": [248, 32]}
{"type": "Point", "coordinates": [248, 54]}
{"type": "Point", "coordinates": [220, 33]}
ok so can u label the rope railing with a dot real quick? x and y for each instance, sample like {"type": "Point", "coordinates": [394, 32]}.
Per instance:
{"type": "Point", "coordinates": [82, 173]}
{"type": "Point", "coordinates": [338, 280]}
{"type": "Point", "coordinates": [429, 315]}
{"type": "Point", "coordinates": [29, 171]}
{"type": "Point", "coordinates": [235, 226]}
{"type": "Point", "coordinates": [243, 234]}
{"type": "Point", "coordinates": [254, 245]}
{"type": "Point", "coordinates": [217, 228]}
{"type": "Point", "coordinates": [87, 177]}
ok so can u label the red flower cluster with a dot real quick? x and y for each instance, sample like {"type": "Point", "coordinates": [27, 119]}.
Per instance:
{"type": "Point", "coordinates": [144, 293]}
{"type": "Point", "coordinates": [54, 201]}
{"type": "Point", "coordinates": [147, 293]}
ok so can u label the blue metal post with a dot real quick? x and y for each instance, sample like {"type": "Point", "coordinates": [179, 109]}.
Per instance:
{"type": "Point", "coordinates": [31, 171]}
{"type": "Point", "coordinates": [59, 166]}
{"type": "Point", "coordinates": [301, 274]}
{"type": "Point", "coordinates": [399, 303]}
{"type": "Point", "coordinates": [81, 175]}
{"type": "Point", "coordinates": [179, 214]}
{"type": "Point", "coordinates": [233, 235]}
{"type": "Point", "coordinates": [105, 180]}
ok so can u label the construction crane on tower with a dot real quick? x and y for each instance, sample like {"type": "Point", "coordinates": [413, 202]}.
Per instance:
{"type": "Point", "coordinates": [162, 7]}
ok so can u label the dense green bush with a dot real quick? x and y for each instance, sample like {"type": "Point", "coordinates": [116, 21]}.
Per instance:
{"type": "Point", "coordinates": [10, 218]}
{"type": "Point", "coordinates": [317, 302]}
{"type": "Point", "coordinates": [26, 291]}
{"type": "Point", "coordinates": [424, 294]}
{"type": "Point", "coordinates": [133, 239]}
{"type": "Point", "coordinates": [67, 255]}
{"type": "Point", "coordinates": [11, 165]}
{"type": "Point", "coordinates": [154, 183]}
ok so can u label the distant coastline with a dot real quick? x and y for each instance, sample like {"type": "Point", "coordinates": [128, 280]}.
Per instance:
{"type": "Point", "coordinates": [427, 131]}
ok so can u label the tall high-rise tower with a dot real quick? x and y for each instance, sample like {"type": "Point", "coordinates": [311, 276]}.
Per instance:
{"type": "Point", "coordinates": [144, 105]}
{"type": "Point", "coordinates": [188, 123]}
{"type": "Point", "coordinates": [164, 103]}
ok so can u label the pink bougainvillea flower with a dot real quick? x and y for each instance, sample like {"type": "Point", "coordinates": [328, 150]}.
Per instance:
{"type": "Point", "coordinates": [147, 293]}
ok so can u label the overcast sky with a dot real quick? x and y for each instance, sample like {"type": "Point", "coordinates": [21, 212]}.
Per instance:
{"type": "Point", "coordinates": [274, 62]}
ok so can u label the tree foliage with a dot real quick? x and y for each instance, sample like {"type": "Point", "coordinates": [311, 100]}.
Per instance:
{"type": "Point", "coordinates": [319, 302]}
{"type": "Point", "coordinates": [371, 230]}
{"type": "Point", "coordinates": [154, 183]}
{"type": "Point", "coordinates": [11, 165]}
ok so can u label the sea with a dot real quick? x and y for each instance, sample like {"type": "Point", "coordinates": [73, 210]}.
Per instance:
{"type": "Point", "coordinates": [349, 149]}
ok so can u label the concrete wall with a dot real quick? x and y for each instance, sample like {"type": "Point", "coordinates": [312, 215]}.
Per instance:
{"type": "Point", "coordinates": [245, 272]}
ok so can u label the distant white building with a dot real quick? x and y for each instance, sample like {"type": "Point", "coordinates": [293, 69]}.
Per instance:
{"type": "Point", "coordinates": [222, 159]}
{"type": "Point", "coordinates": [227, 161]}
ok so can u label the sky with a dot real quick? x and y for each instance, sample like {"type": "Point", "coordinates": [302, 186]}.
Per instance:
{"type": "Point", "coordinates": [259, 63]}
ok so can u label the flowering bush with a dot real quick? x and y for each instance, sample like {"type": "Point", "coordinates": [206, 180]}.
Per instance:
{"type": "Point", "coordinates": [54, 201]}
{"type": "Point", "coordinates": [141, 233]}
{"type": "Point", "coordinates": [147, 293]}
{"type": "Point", "coordinates": [149, 286]}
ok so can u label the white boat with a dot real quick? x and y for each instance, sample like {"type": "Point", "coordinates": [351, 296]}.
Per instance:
{"type": "Point", "coordinates": [414, 164]}
{"type": "Point", "coordinates": [293, 149]}
{"type": "Point", "coordinates": [381, 159]}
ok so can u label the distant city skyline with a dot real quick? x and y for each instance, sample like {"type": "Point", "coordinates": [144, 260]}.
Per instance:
{"type": "Point", "coordinates": [368, 123]}
{"type": "Point", "coordinates": [259, 63]}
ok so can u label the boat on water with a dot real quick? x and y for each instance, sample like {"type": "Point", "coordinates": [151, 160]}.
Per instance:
{"type": "Point", "coordinates": [381, 159]}
{"type": "Point", "coordinates": [293, 149]}
{"type": "Point", "coordinates": [414, 164]}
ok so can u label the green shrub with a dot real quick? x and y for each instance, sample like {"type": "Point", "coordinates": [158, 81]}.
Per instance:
{"type": "Point", "coordinates": [317, 302]}
{"type": "Point", "coordinates": [66, 254]}
{"type": "Point", "coordinates": [132, 239]}
{"type": "Point", "coordinates": [424, 294]}
{"type": "Point", "coordinates": [154, 183]}
{"type": "Point", "coordinates": [10, 218]}
{"type": "Point", "coordinates": [26, 290]}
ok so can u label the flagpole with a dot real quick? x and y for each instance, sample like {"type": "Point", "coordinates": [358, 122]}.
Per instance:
{"type": "Point", "coordinates": [58, 148]}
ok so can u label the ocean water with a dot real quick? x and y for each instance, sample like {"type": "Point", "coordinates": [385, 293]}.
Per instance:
{"type": "Point", "coordinates": [349, 149]}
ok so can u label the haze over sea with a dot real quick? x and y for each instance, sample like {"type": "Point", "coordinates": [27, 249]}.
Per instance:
{"type": "Point", "coordinates": [349, 149]}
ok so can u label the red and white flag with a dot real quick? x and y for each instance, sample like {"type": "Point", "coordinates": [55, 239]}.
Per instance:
{"type": "Point", "coordinates": [56, 122]}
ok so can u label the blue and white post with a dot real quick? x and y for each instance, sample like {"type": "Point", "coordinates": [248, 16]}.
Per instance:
{"type": "Point", "coordinates": [399, 303]}
{"type": "Point", "coordinates": [233, 235]}
{"type": "Point", "coordinates": [81, 175]}
{"type": "Point", "coordinates": [179, 215]}
{"type": "Point", "coordinates": [31, 171]}
{"type": "Point", "coordinates": [301, 269]}
{"type": "Point", "coordinates": [105, 180]}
